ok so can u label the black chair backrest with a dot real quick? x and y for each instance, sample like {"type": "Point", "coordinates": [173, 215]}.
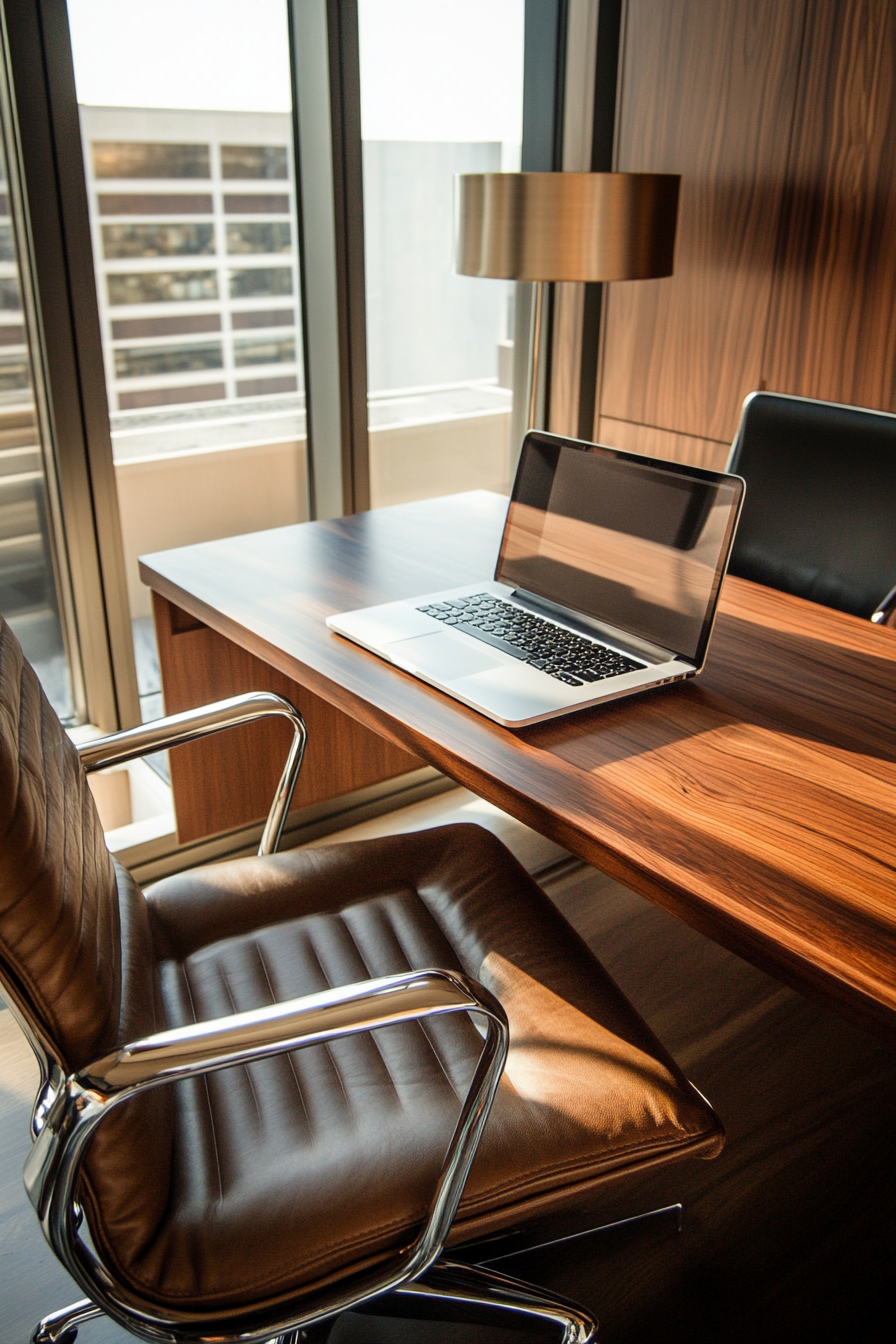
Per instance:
{"type": "Point", "coordinates": [819, 516]}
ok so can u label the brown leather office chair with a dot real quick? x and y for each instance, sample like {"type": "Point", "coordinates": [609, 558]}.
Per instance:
{"type": "Point", "coordinates": [247, 1156]}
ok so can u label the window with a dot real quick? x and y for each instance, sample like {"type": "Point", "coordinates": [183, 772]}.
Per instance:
{"type": "Point", "coordinates": [9, 294]}
{"type": "Point", "coordinates": [186, 127]}
{"type": "Point", "coordinates": [158, 240]}
{"type": "Point", "coordinates": [144, 361]}
{"type": "Point", "coordinates": [260, 281]}
{"type": "Point", "coordinates": [255, 237]}
{"type": "Point", "coordinates": [248, 161]}
{"type": "Point", "coordinates": [133, 159]}
{"type": "Point", "coordinates": [435, 103]}
{"type": "Point", "coordinates": [15, 375]}
{"type": "Point", "coordinates": [264, 351]}
{"type": "Point", "coordinates": [162, 287]}
{"type": "Point", "coordinates": [191, 158]}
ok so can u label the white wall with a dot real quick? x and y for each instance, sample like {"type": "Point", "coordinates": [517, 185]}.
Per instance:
{"type": "Point", "coordinates": [178, 499]}
{"type": "Point", "coordinates": [409, 462]}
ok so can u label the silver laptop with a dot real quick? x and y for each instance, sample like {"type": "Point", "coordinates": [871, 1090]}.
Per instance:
{"type": "Point", "coordinates": [606, 584]}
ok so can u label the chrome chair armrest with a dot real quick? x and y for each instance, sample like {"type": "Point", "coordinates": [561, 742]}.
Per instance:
{"type": "Point", "coordinates": [193, 724]}
{"type": "Point", "coordinates": [240, 1038]}
{"type": "Point", "coordinates": [81, 1102]}
{"type": "Point", "coordinates": [886, 612]}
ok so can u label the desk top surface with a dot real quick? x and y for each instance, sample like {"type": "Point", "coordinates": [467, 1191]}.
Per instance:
{"type": "Point", "coordinates": [757, 801]}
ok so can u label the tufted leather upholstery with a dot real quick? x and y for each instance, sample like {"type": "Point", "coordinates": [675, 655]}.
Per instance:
{"type": "Point", "coordinates": [818, 516]}
{"type": "Point", "coordinates": [293, 1171]}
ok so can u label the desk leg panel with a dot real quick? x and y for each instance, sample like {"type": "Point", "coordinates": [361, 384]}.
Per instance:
{"type": "Point", "coordinates": [228, 781]}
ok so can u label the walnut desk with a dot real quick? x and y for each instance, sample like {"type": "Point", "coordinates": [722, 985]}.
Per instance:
{"type": "Point", "coordinates": [756, 802]}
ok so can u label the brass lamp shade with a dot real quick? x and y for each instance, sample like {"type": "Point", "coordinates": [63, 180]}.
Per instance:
{"type": "Point", "coordinates": [566, 226]}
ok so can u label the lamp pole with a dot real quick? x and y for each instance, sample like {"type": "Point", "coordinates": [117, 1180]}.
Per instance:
{"type": "Point", "coordinates": [536, 349]}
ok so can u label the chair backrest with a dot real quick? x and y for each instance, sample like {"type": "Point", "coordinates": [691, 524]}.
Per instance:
{"type": "Point", "coordinates": [819, 515]}
{"type": "Point", "coordinates": [76, 954]}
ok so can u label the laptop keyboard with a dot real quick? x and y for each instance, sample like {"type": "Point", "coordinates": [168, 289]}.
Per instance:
{"type": "Point", "coordinates": [558, 652]}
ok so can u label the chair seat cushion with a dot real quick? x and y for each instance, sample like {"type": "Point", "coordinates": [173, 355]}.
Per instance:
{"type": "Point", "coordinates": [296, 1169]}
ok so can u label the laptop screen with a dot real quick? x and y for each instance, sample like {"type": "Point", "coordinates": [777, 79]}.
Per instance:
{"type": "Point", "coordinates": [627, 540]}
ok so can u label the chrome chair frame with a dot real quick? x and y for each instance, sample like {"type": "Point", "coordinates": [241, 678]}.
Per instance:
{"type": "Point", "coordinates": [69, 1109]}
{"type": "Point", "coordinates": [886, 611]}
{"type": "Point", "coordinates": [177, 729]}
{"type": "Point", "coordinates": [73, 1107]}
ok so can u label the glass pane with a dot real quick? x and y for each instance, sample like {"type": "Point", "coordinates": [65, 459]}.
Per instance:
{"type": "Point", "coordinates": [441, 94]}
{"type": "Point", "coordinates": [130, 159]}
{"type": "Point", "coordinates": [186, 121]}
{"type": "Point", "coordinates": [29, 598]}
{"type": "Point", "coordinates": [157, 240]}
{"type": "Point", "coordinates": [254, 161]}
{"type": "Point", "coordinates": [162, 287]}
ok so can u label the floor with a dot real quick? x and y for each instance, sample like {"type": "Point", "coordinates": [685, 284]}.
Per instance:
{"type": "Point", "coordinates": [788, 1236]}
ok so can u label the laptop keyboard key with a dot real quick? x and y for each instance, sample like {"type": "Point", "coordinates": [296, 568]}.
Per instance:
{"type": "Point", "coordinates": [549, 648]}
{"type": "Point", "coordinates": [488, 638]}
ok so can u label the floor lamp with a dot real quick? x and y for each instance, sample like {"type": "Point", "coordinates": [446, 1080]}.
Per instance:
{"type": "Point", "coordinates": [544, 227]}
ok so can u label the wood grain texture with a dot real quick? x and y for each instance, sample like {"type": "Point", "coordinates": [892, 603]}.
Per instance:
{"type": "Point", "coordinates": [664, 443]}
{"type": "Point", "coordinates": [832, 325]}
{"type": "Point", "coordinates": [756, 802]}
{"type": "Point", "coordinates": [708, 91]}
{"type": "Point", "coordinates": [787, 1236]}
{"type": "Point", "coordinates": [229, 780]}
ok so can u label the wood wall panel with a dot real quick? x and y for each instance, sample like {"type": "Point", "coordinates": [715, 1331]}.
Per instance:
{"type": "Point", "coordinates": [229, 780]}
{"type": "Point", "coordinates": [708, 91]}
{"type": "Point", "coordinates": [632, 438]}
{"type": "Point", "coordinates": [832, 326]}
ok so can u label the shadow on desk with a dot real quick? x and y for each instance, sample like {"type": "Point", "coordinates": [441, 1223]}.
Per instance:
{"type": "Point", "coordinates": [797, 684]}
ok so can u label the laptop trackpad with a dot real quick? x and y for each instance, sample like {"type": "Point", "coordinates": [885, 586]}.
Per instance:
{"type": "Point", "coordinates": [440, 655]}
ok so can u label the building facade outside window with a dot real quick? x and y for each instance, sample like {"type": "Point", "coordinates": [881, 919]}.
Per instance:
{"type": "Point", "coordinates": [192, 206]}
{"type": "Point", "coordinates": [145, 229]}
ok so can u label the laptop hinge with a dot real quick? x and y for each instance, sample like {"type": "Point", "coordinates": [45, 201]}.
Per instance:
{"type": "Point", "coordinates": [627, 643]}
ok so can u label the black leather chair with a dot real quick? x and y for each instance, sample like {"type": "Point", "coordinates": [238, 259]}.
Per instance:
{"type": "Point", "coordinates": [278, 1087]}
{"type": "Point", "coordinates": [819, 515]}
